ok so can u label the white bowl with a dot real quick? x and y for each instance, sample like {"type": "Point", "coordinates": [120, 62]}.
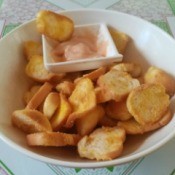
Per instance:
{"type": "Point", "coordinates": [149, 46]}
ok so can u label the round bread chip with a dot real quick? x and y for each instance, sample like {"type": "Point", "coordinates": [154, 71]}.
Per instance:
{"type": "Point", "coordinates": [32, 48]}
{"type": "Point", "coordinates": [133, 69]}
{"type": "Point", "coordinates": [82, 99]}
{"type": "Point", "coordinates": [31, 121]}
{"type": "Point", "coordinates": [51, 103]}
{"type": "Point", "coordinates": [53, 25]}
{"type": "Point", "coordinates": [117, 84]}
{"type": "Point", "coordinates": [147, 103]}
{"type": "Point", "coordinates": [120, 39]}
{"type": "Point", "coordinates": [131, 126]}
{"type": "Point", "coordinates": [104, 143]}
{"type": "Point", "coordinates": [157, 75]}
{"type": "Point", "coordinates": [52, 139]}
{"type": "Point", "coordinates": [35, 69]}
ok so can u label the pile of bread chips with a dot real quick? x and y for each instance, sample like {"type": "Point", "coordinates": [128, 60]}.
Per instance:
{"type": "Point", "coordinates": [93, 110]}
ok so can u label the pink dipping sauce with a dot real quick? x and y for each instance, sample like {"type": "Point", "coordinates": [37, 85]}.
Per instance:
{"type": "Point", "coordinates": [80, 46]}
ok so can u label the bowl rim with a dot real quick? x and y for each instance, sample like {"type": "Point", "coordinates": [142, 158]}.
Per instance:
{"type": "Point", "coordinates": [98, 164]}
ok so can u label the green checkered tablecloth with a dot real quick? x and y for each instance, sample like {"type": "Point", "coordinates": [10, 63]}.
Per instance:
{"type": "Point", "coordinates": [15, 12]}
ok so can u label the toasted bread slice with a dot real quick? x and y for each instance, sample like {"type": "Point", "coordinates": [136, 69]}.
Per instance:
{"type": "Point", "coordinates": [105, 143]}
{"type": "Point", "coordinates": [35, 69]}
{"type": "Point", "coordinates": [52, 139]}
{"type": "Point", "coordinates": [131, 126]}
{"type": "Point", "coordinates": [133, 69]}
{"type": "Point", "coordinates": [82, 99]}
{"type": "Point", "coordinates": [62, 113]}
{"type": "Point", "coordinates": [65, 87]}
{"type": "Point", "coordinates": [117, 84]}
{"type": "Point", "coordinates": [51, 104]}
{"type": "Point", "coordinates": [86, 124]}
{"type": "Point", "coordinates": [120, 39]}
{"type": "Point", "coordinates": [157, 75]}
{"type": "Point", "coordinates": [39, 96]}
{"type": "Point", "coordinates": [147, 103]}
{"type": "Point", "coordinates": [32, 48]}
{"type": "Point", "coordinates": [53, 25]}
{"type": "Point", "coordinates": [31, 121]}
{"type": "Point", "coordinates": [95, 74]}
{"type": "Point", "coordinates": [117, 110]}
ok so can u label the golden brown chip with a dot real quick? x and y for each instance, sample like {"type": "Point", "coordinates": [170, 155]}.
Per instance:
{"type": "Point", "coordinates": [117, 84]}
{"type": "Point", "coordinates": [39, 96]}
{"type": "Point", "coordinates": [31, 121]}
{"type": "Point", "coordinates": [104, 143]}
{"type": "Point", "coordinates": [131, 126]}
{"type": "Point", "coordinates": [94, 75]}
{"type": "Point", "coordinates": [35, 69]}
{"type": "Point", "coordinates": [82, 99]}
{"type": "Point", "coordinates": [52, 139]}
{"type": "Point", "coordinates": [87, 123]}
{"type": "Point", "coordinates": [51, 104]}
{"type": "Point", "coordinates": [157, 75]}
{"type": "Point", "coordinates": [117, 110]}
{"type": "Point", "coordinates": [120, 39]}
{"type": "Point", "coordinates": [30, 93]}
{"type": "Point", "coordinates": [147, 103]}
{"type": "Point", "coordinates": [32, 48]}
{"type": "Point", "coordinates": [133, 69]}
{"type": "Point", "coordinates": [53, 25]}
{"type": "Point", "coordinates": [66, 87]}
{"type": "Point", "coordinates": [59, 118]}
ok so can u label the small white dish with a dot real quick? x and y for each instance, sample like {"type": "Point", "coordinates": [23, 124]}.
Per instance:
{"type": "Point", "coordinates": [103, 35]}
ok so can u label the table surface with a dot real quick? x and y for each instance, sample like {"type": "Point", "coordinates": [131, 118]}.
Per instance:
{"type": "Point", "coordinates": [16, 12]}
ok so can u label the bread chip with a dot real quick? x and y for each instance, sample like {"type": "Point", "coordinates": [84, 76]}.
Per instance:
{"type": "Point", "coordinates": [39, 96]}
{"type": "Point", "coordinates": [53, 25]}
{"type": "Point", "coordinates": [51, 104]}
{"type": "Point", "coordinates": [131, 126]}
{"type": "Point", "coordinates": [52, 139]}
{"type": "Point", "coordinates": [105, 143]}
{"type": "Point", "coordinates": [35, 69]}
{"type": "Point", "coordinates": [120, 39]}
{"type": "Point", "coordinates": [133, 69]}
{"type": "Point", "coordinates": [62, 113]}
{"type": "Point", "coordinates": [157, 75]}
{"type": "Point", "coordinates": [65, 87]}
{"type": "Point", "coordinates": [87, 123]}
{"type": "Point", "coordinates": [31, 121]}
{"type": "Point", "coordinates": [30, 93]}
{"type": "Point", "coordinates": [117, 110]}
{"type": "Point", "coordinates": [82, 99]}
{"type": "Point", "coordinates": [147, 103]}
{"type": "Point", "coordinates": [94, 75]}
{"type": "Point", "coordinates": [117, 84]}
{"type": "Point", "coordinates": [32, 48]}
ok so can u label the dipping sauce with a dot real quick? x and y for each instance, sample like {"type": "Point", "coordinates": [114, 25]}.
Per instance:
{"type": "Point", "coordinates": [82, 45]}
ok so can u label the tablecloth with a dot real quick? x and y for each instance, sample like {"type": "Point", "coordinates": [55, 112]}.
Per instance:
{"type": "Point", "coordinates": [16, 12]}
